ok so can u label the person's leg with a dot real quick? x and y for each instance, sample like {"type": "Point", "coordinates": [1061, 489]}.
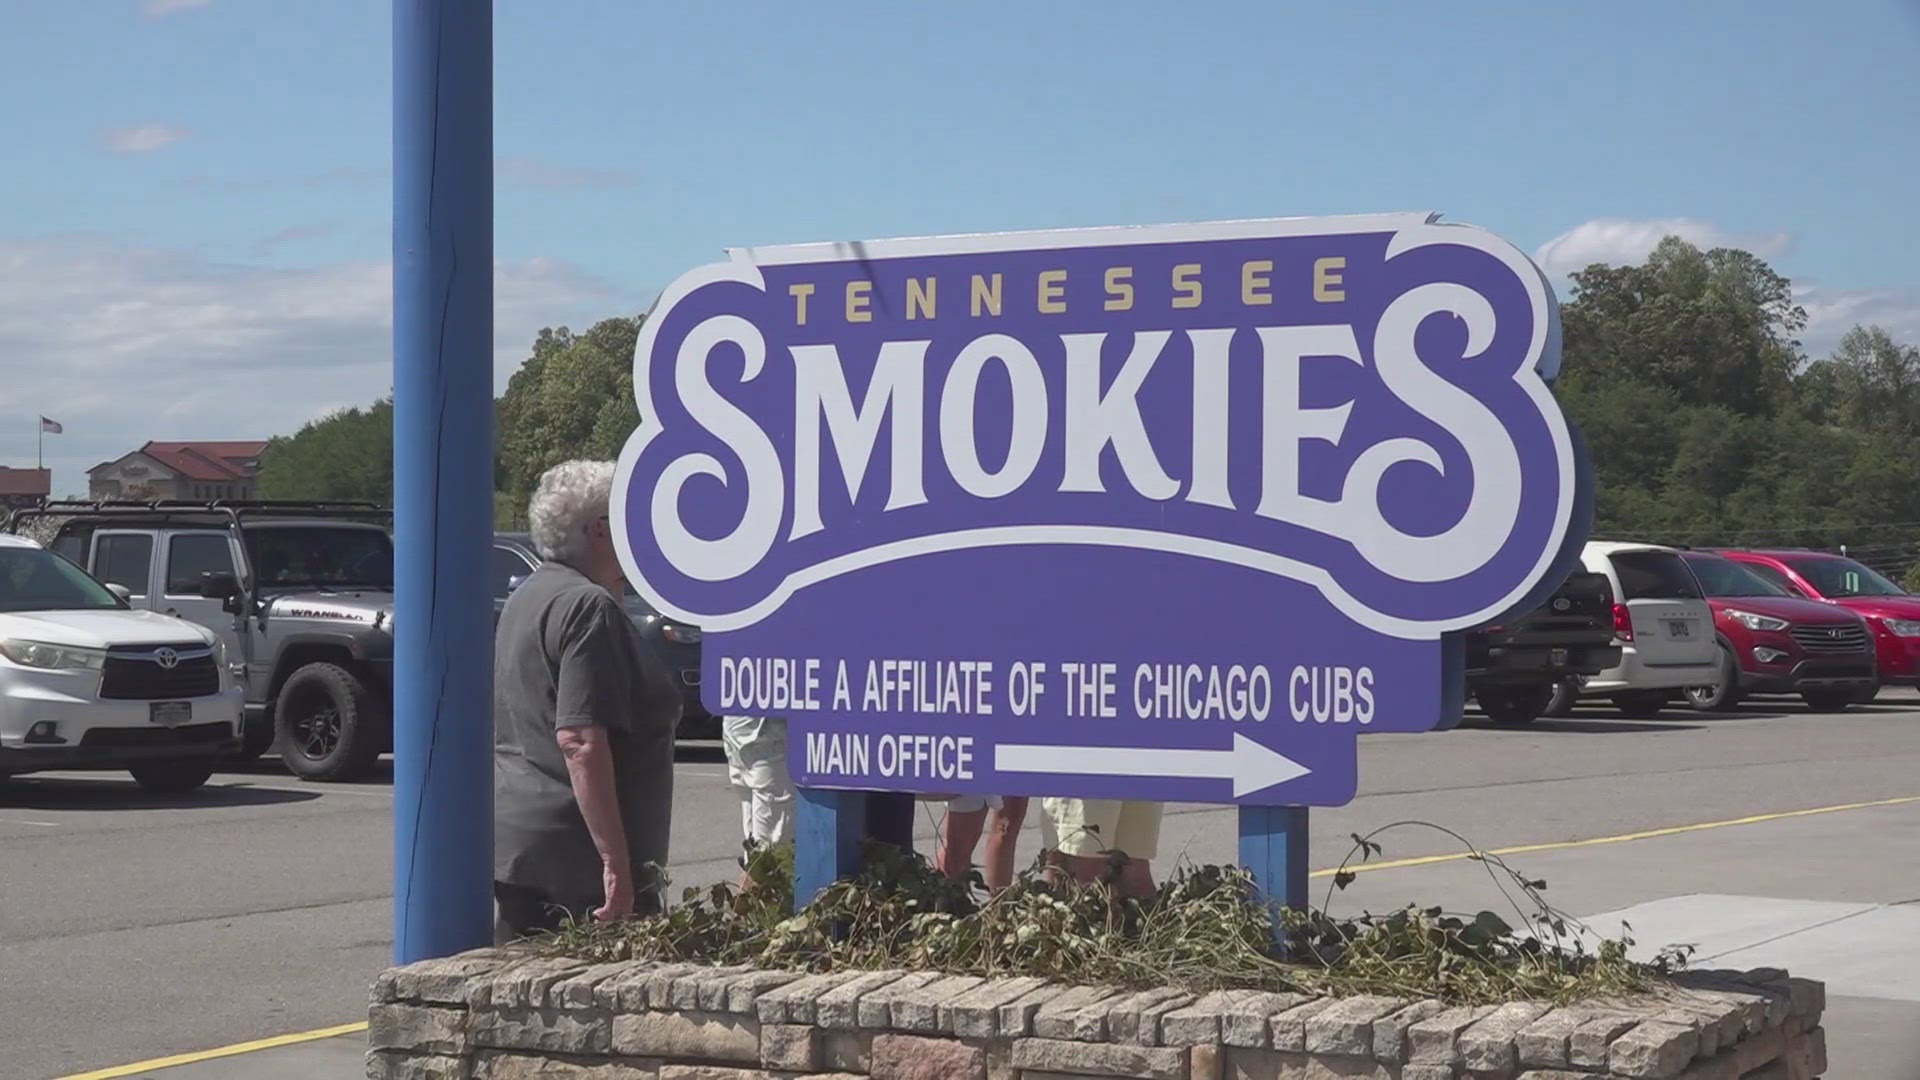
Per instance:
{"type": "Point", "coordinates": [1003, 839]}
{"type": "Point", "coordinates": [959, 835]}
{"type": "Point", "coordinates": [1137, 834]}
{"type": "Point", "coordinates": [522, 911]}
{"type": "Point", "coordinates": [775, 792]}
{"type": "Point", "coordinates": [1077, 834]}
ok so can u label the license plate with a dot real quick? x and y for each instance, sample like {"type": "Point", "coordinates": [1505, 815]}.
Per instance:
{"type": "Point", "coordinates": [1557, 656]}
{"type": "Point", "coordinates": [170, 713]}
{"type": "Point", "coordinates": [1679, 628]}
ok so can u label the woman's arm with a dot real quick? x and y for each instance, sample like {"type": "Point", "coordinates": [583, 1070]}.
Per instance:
{"type": "Point", "coordinates": [589, 755]}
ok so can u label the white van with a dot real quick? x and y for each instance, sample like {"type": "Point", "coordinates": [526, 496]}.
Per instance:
{"type": "Point", "coordinates": [86, 682]}
{"type": "Point", "coordinates": [1661, 622]}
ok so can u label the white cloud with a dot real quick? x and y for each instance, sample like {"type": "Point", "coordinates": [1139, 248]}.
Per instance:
{"type": "Point", "coordinates": [1833, 312]}
{"type": "Point", "coordinates": [344, 176]}
{"type": "Point", "coordinates": [160, 9]}
{"type": "Point", "coordinates": [293, 234]}
{"type": "Point", "coordinates": [552, 177]}
{"type": "Point", "coordinates": [1623, 242]}
{"type": "Point", "coordinates": [142, 138]}
{"type": "Point", "coordinates": [124, 343]}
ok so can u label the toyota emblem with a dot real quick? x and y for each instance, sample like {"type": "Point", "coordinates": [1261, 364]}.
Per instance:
{"type": "Point", "coordinates": [1561, 603]}
{"type": "Point", "coordinates": [166, 658]}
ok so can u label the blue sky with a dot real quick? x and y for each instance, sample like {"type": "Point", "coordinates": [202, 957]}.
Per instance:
{"type": "Point", "coordinates": [194, 220]}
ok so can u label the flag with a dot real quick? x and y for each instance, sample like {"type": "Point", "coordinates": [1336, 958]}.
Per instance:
{"type": "Point", "coordinates": [51, 426]}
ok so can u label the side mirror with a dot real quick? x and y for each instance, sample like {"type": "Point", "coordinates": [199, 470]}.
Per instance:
{"type": "Point", "coordinates": [219, 586]}
{"type": "Point", "coordinates": [125, 594]}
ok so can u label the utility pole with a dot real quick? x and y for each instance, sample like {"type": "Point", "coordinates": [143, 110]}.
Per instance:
{"type": "Point", "coordinates": [442, 476]}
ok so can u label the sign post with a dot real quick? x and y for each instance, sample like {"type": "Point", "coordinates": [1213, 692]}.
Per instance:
{"type": "Point", "coordinates": [442, 476]}
{"type": "Point", "coordinates": [1169, 513]}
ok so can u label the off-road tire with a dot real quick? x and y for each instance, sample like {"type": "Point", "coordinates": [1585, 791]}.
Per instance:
{"type": "Point", "coordinates": [172, 777]}
{"type": "Point", "coordinates": [330, 725]}
{"type": "Point", "coordinates": [1641, 704]}
{"type": "Point", "coordinates": [1513, 706]}
{"type": "Point", "coordinates": [1721, 695]}
{"type": "Point", "coordinates": [1830, 701]}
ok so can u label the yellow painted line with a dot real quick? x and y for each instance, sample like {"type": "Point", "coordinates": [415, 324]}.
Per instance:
{"type": "Point", "coordinates": [1649, 834]}
{"type": "Point", "coordinates": [139, 1067]}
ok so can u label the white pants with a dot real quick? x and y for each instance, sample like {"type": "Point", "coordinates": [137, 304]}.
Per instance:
{"type": "Point", "coordinates": [757, 772]}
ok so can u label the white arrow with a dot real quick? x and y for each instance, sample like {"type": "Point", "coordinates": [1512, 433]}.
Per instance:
{"type": "Point", "coordinates": [1251, 766]}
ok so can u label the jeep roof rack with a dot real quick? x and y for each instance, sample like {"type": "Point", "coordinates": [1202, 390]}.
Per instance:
{"type": "Point", "coordinates": [231, 511]}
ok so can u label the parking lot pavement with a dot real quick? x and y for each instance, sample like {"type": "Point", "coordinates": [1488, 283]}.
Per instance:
{"type": "Point", "coordinates": [269, 896]}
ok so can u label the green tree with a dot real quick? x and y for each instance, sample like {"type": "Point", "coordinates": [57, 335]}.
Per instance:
{"type": "Point", "coordinates": [345, 455]}
{"type": "Point", "coordinates": [1715, 326]}
{"type": "Point", "coordinates": [573, 398]}
{"type": "Point", "coordinates": [1870, 383]}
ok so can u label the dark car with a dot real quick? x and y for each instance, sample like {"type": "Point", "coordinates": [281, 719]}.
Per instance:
{"type": "Point", "coordinates": [1521, 668]}
{"type": "Point", "coordinates": [675, 642]}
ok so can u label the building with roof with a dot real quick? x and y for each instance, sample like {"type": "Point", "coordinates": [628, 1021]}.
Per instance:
{"type": "Point", "coordinates": [180, 470]}
{"type": "Point", "coordinates": [24, 487]}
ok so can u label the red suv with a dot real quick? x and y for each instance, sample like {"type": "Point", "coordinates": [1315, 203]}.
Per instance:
{"type": "Point", "coordinates": [1891, 612]}
{"type": "Point", "coordinates": [1774, 643]}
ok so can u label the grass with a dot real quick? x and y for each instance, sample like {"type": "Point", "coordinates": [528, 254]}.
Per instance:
{"type": "Point", "coordinates": [1204, 929]}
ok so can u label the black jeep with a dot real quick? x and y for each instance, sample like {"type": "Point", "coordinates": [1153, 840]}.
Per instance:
{"type": "Point", "coordinates": [1517, 668]}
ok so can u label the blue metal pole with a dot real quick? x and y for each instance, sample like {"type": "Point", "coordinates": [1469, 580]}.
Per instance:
{"type": "Point", "coordinates": [827, 831]}
{"type": "Point", "coordinates": [442, 475]}
{"type": "Point", "coordinates": [1273, 846]}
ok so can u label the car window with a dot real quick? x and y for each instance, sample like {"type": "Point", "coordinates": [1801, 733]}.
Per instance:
{"type": "Point", "coordinates": [507, 565]}
{"type": "Point", "coordinates": [1772, 575]}
{"type": "Point", "coordinates": [1837, 577]}
{"type": "Point", "coordinates": [32, 579]}
{"type": "Point", "coordinates": [320, 556]}
{"type": "Point", "coordinates": [124, 559]}
{"type": "Point", "coordinates": [73, 547]}
{"type": "Point", "coordinates": [191, 556]}
{"type": "Point", "coordinates": [1724, 577]}
{"type": "Point", "coordinates": [1654, 575]}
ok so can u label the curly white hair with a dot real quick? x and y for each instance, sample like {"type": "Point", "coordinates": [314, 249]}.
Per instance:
{"type": "Point", "coordinates": [571, 496]}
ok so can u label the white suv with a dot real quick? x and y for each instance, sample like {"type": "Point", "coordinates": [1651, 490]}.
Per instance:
{"type": "Point", "coordinates": [1661, 622]}
{"type": "Point", "coordinates": [88, 683]}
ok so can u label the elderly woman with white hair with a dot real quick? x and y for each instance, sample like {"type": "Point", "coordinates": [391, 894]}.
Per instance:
{"type": "Point", "coordinates": [584, 716]}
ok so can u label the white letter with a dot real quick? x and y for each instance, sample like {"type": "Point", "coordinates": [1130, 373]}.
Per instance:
{"type": "Point", "coordinates": [1210, 399]}
{"type": "Point", "coordinates": [1491, 456]}
{"type": "Point", "coordinates": [739, 551]}
{"type": "Point", "coordinates": [820, 391]}
{"type": "Point", "coordinates": [1094, 419]}
{"type": "Point", "coordinates": [1029, 434]}
{"type": "Point", "coordinates": [1284, 425]}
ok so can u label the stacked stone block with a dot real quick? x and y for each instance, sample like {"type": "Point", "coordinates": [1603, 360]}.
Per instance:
{"type": "Point", "coordinates": [508, 1015]}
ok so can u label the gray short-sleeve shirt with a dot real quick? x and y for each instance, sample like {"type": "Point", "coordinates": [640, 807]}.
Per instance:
{"type": "Point", "coordinates": [566, 654]}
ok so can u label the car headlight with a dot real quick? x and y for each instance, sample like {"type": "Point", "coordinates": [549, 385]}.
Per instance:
{"type": "Point", "coordinates": [1904, 627]}
{"type": "Point", "coordinates": [39, 654]}
{"type": "Point", "coordinates": [680, 635]}
{"type": "Point", "coordinates": [219, 647]}
{"type": "Point", "coordinates": [1757, 622]}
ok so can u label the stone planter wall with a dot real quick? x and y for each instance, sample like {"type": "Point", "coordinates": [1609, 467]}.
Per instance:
{"type": "Point", "coordinates": [503, 1015]}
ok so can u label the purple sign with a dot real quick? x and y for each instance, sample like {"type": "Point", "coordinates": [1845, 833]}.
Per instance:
{"type": "Point", "coordinates": [1170, 513]}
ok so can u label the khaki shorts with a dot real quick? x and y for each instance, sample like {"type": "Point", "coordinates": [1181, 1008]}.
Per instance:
{"type": "Point", "coordinates": [1096, 826]}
